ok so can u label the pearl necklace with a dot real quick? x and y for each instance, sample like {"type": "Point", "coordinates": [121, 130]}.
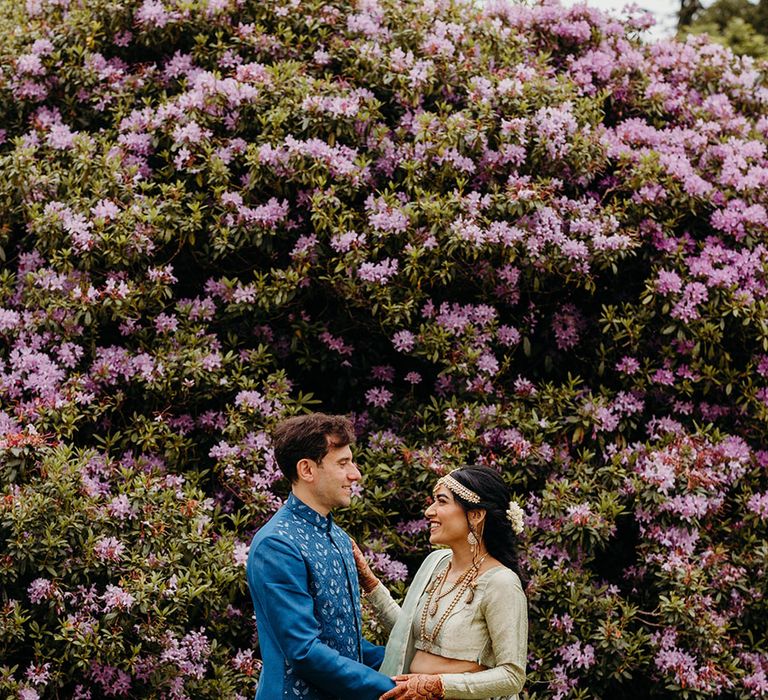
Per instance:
{"type": "Point", "coordinates": [463, 583]}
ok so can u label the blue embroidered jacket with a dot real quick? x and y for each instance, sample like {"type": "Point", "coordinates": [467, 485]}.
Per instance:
{"type": "Point", "coordinates": [303, 582]}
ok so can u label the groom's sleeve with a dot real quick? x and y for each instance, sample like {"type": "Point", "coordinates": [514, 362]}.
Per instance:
{"type": "Point", "coordinates": [373, 655]}
{"type": "Point", "coordinates": [279, 580]}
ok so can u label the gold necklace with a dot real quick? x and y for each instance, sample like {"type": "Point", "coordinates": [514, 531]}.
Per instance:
{"type": "Point", "coordinates": [436, 593]}
{"type": "Point", "coordinates": [461, 585]}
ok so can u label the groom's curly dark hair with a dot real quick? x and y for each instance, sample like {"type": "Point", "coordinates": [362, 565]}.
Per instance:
{"type": "Point", "coordinates": [309, 437]}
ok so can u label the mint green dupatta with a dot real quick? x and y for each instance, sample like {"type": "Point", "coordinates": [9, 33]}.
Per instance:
{"type": "Point", "coordinates": [400, 649]}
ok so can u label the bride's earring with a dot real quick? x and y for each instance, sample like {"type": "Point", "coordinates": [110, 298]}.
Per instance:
{"type": "Point", "coordinates": [473, 541]}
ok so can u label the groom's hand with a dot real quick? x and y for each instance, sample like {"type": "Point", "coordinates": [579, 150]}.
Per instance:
{"type": "Point", "coordinates": [416, 686]}
{"type": "Point", "coordinates": [368, 579]}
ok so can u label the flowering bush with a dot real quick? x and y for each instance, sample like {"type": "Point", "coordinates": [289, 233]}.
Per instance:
{"type": "Point", "coordinates": [508, 234]}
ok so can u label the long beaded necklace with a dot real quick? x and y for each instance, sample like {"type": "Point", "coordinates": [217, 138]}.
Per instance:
{"type": "Point", "coordinates": [434, 594]}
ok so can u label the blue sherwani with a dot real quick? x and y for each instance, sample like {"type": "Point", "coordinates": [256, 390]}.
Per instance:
{"type": "Point", "coordinates": [303, 581]}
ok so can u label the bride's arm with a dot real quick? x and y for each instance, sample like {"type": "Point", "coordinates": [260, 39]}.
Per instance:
{"type": "Point", "coordinates": [376, 593]}
{"type": "Point", "coordinates": [386, 609]}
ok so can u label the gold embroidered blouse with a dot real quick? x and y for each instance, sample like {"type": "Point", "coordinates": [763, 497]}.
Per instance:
{"type": "Point", "coordinates": [491, 630]}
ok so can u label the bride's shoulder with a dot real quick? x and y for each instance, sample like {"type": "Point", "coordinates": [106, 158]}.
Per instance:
{"type": "Point", "coordinates": [501, 577]}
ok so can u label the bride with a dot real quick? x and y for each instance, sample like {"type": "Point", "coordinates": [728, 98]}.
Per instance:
{"type": "Point", "coordinates": [462, 631]}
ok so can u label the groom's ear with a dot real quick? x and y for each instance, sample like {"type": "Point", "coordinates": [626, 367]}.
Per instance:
{"type": "Point", "coordinates": [305, 470]}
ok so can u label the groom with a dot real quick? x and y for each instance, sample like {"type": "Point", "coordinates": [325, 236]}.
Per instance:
{"type": "Point", "coordinates": [302, 576]}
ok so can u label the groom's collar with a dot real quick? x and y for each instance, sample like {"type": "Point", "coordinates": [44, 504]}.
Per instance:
{"type": "Point", "coordinates": [297, 506]}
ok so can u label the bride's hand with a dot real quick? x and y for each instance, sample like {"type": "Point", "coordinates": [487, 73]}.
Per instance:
{"type": "Point", "coordinates": [416, 686]}
{"type": "Point", "coordinates": [368, 579]}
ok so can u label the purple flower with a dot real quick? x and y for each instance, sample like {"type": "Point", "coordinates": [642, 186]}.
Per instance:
{"type": "Point", "coordinates": [378, 396]}
{"type": "Point", "coordinates": [567, 324]}
{"type": "Point", "coordinates": [9, 319]}
{"type": "Point", "coordinates": [38, 675]}
{"type": "Point", "coordinates": [554, 125]}
{"type": "Point", "coordinates": [116, 598]}
{"type": "Point", "coordinates": [258, 402]}
{"type": "Point", "coordinates": [384, 373]}
{"type": "Point", "coordinates": [577, 656]}
{"type": "Point", "coordinates": [378, 273]}
{"type": "Point", "coordinates": [240, 554]}
{"type": "Point", "coordinates": [390, 569]}
{"type": "Point", "coordinates": [488, 363]}
{"type": "Point", "coordinates": [40, 589]}
{"type": "Point", "coordinates": [412, 527]}
{"type": "Point", "coordinates": [61, 137]}
{"type": "Point", "coordinates": [664, 377]}
{"type": "Point", "coordinates": [758, 504]}
{"type": "Point", "coordinates": [120, 507]}
{"type": "Point", "coordinates": [343, 242]}
{"type": "Point", "coordinates": [668, 281]}
{"type": "Point", "coordinates": [304, 247]}
{"type": "Point", "coordinates": [403, 341]}
{"type": "Point", "coordinates": [508, 335]}
{"type": "Point", "coordinates": [413, 378]}
{"type": "Point", "coordinates": [628, 365]}
{"type": "Point", "coordinates": [336, 344]}
{"type": "Point", "coordinates": [686, 309]}
{"type": "Point", "coordinates": [153, 13]}
{"type": "Point", "coordinates": [166, 323]}
{"type": "Point", "coordinates": [109, 549]}
{"type": "Point", "coordinates": [105, 209]}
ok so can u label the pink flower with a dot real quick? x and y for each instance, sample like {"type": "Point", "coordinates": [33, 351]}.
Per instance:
{"type": "Point", "coordinates": [116, 598]}
{"type": "Point", "coordinates": [60, 137]}
{"type": "Point", "coordinates": [40, 589]}
{"type": "Point", "coordinates": [403, 341]}
{"type": "Point", "coordinates": [109, 549]}
{"type": "Point", "coordinates": [120, 507]}
{"type": "Point", "coordinates": [413, 378]}
{"type": "Point", "coordinates": [9, 319]}
{"type": "Point", "coordinates": [580, 514]}
{"type": "Point", "coordinates": [390, 569]}
{"type": "Point", "coordinates": [567, 324]}
{"type": "Point", "coordinates": [577, 656]}
{"type": "Point", "coordinates": [38, 675]}
{"type": "Point", "coordinates": [758, 504]}
{"type": "Point", "coordinates": [336, 344]}
{"type": "Point", "coordinates": [508, 335]}
{"type": "Point", "coordinates": [664, 377]}
{"type": "Point", "coordinates": [153, 13]}
{"type": "Point", "coordinates": [105, 209]}
{"type": "Point", "coordinates": [628, 365]}
{"type": "Point", "coordinates": [166, 323]}
{"type": "Point", "coordinates": [378, 396]}
{"type": "Point", "coordinates": [378, 273]}
{"type": "Point", "coordinates": [240, 554]}
{"type": "Point", "coordinates": [668, 281]}
{"type": "Point", "coordinates": [343, 242]}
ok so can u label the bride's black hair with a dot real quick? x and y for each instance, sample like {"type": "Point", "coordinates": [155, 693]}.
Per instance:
{"type": "Point", "coordinates": [499, 537]}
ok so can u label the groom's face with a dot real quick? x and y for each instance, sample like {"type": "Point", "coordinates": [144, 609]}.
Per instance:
{"type": "Point", "coordinates": [334, 477]}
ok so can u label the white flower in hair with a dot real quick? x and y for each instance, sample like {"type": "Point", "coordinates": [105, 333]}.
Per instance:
{"type": "Point", "coordinates": [515, 516]}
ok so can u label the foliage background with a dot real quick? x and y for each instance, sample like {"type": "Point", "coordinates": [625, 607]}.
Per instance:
{"type": "Point", "coordinates": [513, 235]}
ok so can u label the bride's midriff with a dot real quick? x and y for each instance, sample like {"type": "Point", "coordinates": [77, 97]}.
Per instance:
{"type": "Point", "coordinates": [424, 662]}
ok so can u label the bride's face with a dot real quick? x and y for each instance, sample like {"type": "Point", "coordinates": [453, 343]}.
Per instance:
{"type": "Point", "coordinates": [447, 519]}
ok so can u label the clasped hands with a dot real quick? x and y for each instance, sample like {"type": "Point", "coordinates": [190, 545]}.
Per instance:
{"type": "Point", "coordinates": [416, 686]}
{"type": "Point", "coordinates": [411, 686]}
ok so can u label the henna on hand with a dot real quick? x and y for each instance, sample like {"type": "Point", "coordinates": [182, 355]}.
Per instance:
{"type": "Point", "coordinates": [368, 580]}
{"type": "Point", "coordinates": [416, 686]}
